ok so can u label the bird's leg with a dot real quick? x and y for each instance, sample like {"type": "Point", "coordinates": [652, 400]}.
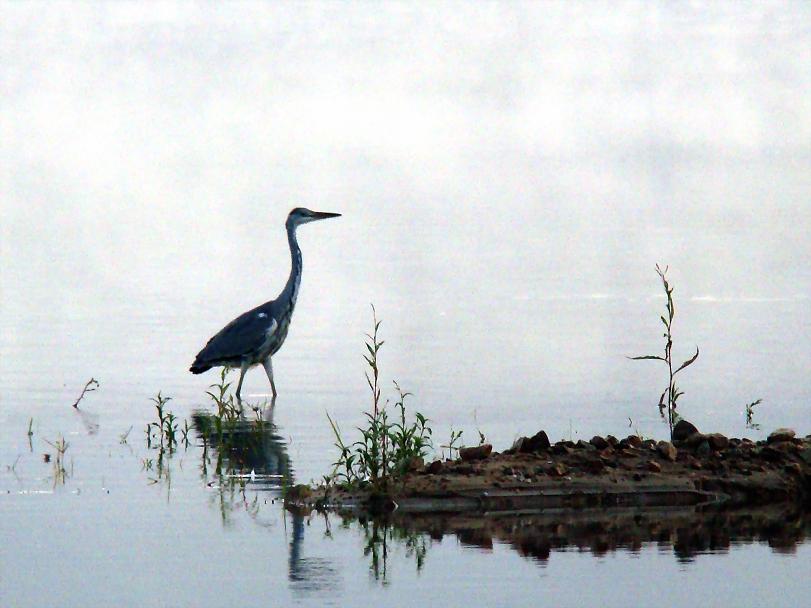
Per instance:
{"type": "Point", "coordinates": [269, 371]}
{"type": "Point", "coordinates": [242, 369]}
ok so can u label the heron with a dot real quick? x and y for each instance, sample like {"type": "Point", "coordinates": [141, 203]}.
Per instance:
{"type": "Point", "coordinates": [255, 336]}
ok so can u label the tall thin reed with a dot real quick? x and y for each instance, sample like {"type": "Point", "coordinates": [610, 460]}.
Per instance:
{"type": "Point", "coordinates": [670, 396]}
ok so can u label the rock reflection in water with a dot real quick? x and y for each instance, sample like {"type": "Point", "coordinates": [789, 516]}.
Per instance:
{"type": "Point", "coordinates": [688, 532]}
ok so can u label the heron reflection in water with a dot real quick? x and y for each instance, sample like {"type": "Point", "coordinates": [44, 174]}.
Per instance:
{"type": "Point", "coordinates": [254, 448]}
{"type": "Point", "coordinates": [246, 447]}
{"type": "Point", "coordinates": [255, 336]}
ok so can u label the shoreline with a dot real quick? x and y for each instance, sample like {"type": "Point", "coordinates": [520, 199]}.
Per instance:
{"type": "Point", "coordinates": [696, 469]}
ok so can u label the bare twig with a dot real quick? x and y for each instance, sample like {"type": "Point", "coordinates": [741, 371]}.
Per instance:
{"type": "Point", "coordinates": [91, 385]}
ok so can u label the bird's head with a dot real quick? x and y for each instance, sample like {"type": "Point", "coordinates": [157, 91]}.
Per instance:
{"type": "Point", "coordinates": [300, 215]}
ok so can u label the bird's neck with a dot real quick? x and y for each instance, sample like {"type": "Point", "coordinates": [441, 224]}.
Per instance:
{"type": "Point", "coordinates": [293, 281]}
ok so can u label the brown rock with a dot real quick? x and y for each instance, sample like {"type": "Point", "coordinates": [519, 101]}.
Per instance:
{"type": "Point", "coordinates": [667, 450]}
{"type": "Point", "coordinates": [434, 468]}
{"type": "Point", "coordinates": [780, 435]}
{"type": "Point", "coordinates": [793, 468]}
{"type": "Point", "coordinates": [299, 492]}
{"type": "Point", "coordinates": [598, 442]}
{"type": "Point", "coordinates": [683, 430]}
{"type": "Point", "coordinates": [558, 470]}
{"type": "Point", "coordinates": [479, 452]}
{"type": "Point", "coordinates": [516, 446]}
{"type": "Point", "coordinates": [594, 466]}
{"type": "Point", "coordinates": [788, 447]}
{"type": "Point", "coordinates": [539, 441]}
{"type": "Point", "coordinates": [703, 447]}
{"type": "Point", "coordinates": [584, 445]}
{"type": "Point", "coordinates": [633, 441]}
{"type": "Point", "coordinates": [771, 454]}
{"type": "Point", "coordinates": [654, 466]}
{"type": "Point", "coordinates": [694, 440]}
{"type": "Point", "coordinates": [717, 441]}
{"type": "Point", "coordinates": [612, 441]}
{"type": "Point", "coordinates": [415, 463]}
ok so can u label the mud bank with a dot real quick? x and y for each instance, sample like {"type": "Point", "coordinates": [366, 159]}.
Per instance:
{"type": "Point", "coordinates": [605, 472]}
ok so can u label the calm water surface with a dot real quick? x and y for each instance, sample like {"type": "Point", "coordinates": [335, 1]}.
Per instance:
{"type": "Point", "coordinates": [509, 174]}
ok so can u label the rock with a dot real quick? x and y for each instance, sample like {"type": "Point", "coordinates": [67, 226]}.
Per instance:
{"type": "Point", "coordinates": [780, 435]}
{"type": "Point", "coordinates": [654, 466]}
{"type": "Point", "coordinates": [434, 468]}
{"type": "Point", "coordinates": [517, 445]}
{"type": "Point", "coordinates": [667, 450]}
{"type": "Point", "coordinates": [805, 455]}
{"type": "Point", "coordinates": [703, 448]}
{"type": "Point", "coordinates": [607, 452]}
{"type": "Point", "coordinates": [771, 454]}
{"type": "Point", "coordinates": [584, 445]}
{"type": "Point", "coordinates": [561, 448]}
{"type": "Point", "coordinates": [789, 447]}
{"type": "Point", "coordinates": [558, 470]}
{"type": "Point", "coordinates": [598, 442]}
{"type": "Point", "coordinates": [415, 463]}
{"type": "Point", "coordinates": [683, 430]}
{"type": "Point", "coordinates": [594, 466]}
{"type": "Point", "coordinates": [717, 441]}
{"type": "Point", "coordinates": [794, 468]}
{"type": "Point", "coordinates": [633, 441]}
{"type": "Point", "coordinates": [612, 441]}
{"type": "Point", "coordinates": [539, 441]}
{"type": "Point", "coordinates": [299, 492]}
{"type": "Point", "coordinates": [479, 452]}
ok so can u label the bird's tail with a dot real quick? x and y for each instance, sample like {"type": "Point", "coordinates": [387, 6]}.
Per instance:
{"type": "Point", "coordinates": [199, 368]}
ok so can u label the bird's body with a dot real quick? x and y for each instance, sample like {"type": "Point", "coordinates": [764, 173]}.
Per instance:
{"type": "Point", "coordinates": [255, 336]}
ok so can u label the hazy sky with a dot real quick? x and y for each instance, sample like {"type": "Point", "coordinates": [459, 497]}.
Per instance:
{"type": "Point", "coordinates": [138, 128]}
{"type": "Point", "coordinates": [490, 159]}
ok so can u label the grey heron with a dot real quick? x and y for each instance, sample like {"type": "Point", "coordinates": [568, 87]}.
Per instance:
{"type": "Point", "coordinates": [255, 336]}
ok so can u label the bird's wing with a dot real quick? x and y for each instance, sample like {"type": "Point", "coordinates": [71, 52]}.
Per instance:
{"type": "Point", "coordinates": [242, 336]}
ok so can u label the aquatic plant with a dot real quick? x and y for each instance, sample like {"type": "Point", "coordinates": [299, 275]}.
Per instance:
{"type": "Point", "coordinates": [122, 438]}
{"type": "Point", "coordinates": [386, 450]}
{"type": "Point", "coordinates": [165, 429]}
{"type": "Point", "coordinates": [61, 446]}
{"type": "Point", "coordinates": [89, 387]}
{"type": "Point", "coordinates": [451, 445]}
{"type": "Point", "coordinates": [670, 396]}
{"type": "Point", "coordinates": [228, 408]}
{"type": "Point", "coordinates": [750, 413]}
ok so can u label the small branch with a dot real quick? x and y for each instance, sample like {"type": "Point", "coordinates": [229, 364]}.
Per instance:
{"type": "Point", "coordinates": [91, 385]}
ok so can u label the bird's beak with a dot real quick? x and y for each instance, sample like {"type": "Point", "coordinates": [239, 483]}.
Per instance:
{"type": "Point", "coordinates": [323, 215]}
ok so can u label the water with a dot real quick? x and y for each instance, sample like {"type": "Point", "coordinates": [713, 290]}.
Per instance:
{"type": "Point", "coordinates": [508, 173]}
